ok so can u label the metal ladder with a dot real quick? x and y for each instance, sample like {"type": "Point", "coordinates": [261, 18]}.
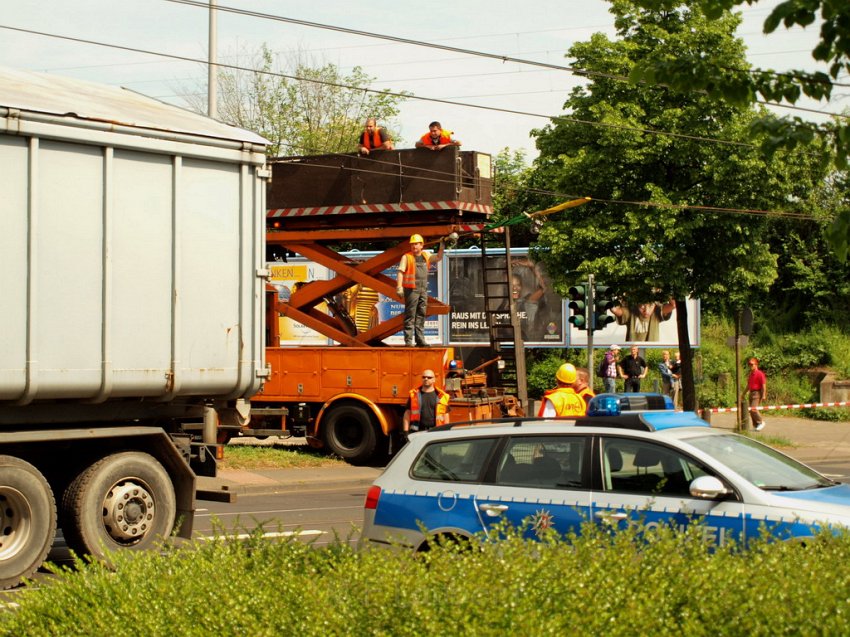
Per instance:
{"type": "Point", "coordinates": [503, 323]}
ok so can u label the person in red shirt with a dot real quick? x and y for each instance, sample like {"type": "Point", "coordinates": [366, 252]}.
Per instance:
{"type": "Point", "coordinates": [436, 138]}
{"type": "Point", "coordinates": [757, 386]}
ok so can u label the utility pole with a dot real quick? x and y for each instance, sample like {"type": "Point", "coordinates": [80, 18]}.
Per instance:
{"type": "Point", "coordinates": [212, 82]}
{"type": "Point", "coordinates": [591, 327]}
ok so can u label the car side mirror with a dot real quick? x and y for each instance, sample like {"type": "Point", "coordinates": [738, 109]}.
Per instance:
{"type": "Point", "coordinates": [708, 488]}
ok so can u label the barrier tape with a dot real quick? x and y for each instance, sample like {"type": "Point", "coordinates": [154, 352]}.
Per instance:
{"type": "Point", "coordinates": [723, 410]}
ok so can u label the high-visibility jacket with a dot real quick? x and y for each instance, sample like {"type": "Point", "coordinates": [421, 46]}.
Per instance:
{"type": "Point", "coordinates": [565, 401]}
{"type": "Point", "coordinates": [374, 141]}
{"type": "Point", "coordinates": [445, 138]}
{"type": "Point", "coordinates": [441, 409]}
{"type": "Point", "coordinates": [409, 277]}
{"type": "Point", "coordinates": [586, 394]}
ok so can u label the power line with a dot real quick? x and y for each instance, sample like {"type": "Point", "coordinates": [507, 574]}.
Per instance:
{"type": "Point", "coordinates": [409, 41]}
{"type": "Point", "coordinates": [450, 178]}
{"type": "Point", "coordinates": [435, 100]}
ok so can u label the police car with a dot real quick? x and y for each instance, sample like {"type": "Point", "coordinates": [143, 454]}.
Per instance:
{"type": "Point", "coordinates": [652, 468]}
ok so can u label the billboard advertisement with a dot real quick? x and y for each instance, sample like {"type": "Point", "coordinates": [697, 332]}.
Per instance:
{"type": "Point", "coordinates": [539, 308]}
{"type": "Point", "coordinates": [648, 324]}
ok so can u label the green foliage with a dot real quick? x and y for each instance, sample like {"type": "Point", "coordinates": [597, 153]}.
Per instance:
{"type": "Point", "coordinates": [301, 107]}
{"type": "Point", "coordinates": [828, 414]}
{"type": "Point", "coordinates": [276, 456]}
{"type": "Point", "coordinates": [542, 368]}
{"type": "Point", "coordinates": [662, 581]}
{"type": "Point", "coordinates": [693, 71]}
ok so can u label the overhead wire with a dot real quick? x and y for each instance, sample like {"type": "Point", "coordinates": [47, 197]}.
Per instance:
{"type": "Point", "coordinates": [447, 177]}
{"type": "Point", "coordinates": [400, 40]}
{"type": "Point", "coordinates": [436, 100]}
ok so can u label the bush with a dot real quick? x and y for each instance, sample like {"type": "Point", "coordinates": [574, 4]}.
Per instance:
{"type": "Point", "coordinates": [657, 582]}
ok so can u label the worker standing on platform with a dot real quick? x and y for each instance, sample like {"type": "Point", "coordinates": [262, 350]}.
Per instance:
{"type": "Point", "coordinates": [373, 137]}
{"type": "Point", "coordinates": [412, 284]}
{"type": "Point", "coordinates": [436, 138]}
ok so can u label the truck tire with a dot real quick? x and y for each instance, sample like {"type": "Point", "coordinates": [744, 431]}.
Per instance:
{"type": "Point", "coordinates": [27, 520]}
{"type": "Point", "coordinates": [123, 501]}
{"type": "Point", "coordinates": [351, 433]}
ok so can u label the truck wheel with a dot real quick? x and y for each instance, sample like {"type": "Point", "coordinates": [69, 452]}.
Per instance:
{"type": "Point", "coordinates": [123, 501]}
{"type": "Point", "coordinates": [27, 520]}
{"type": "Point", "coordinates": [351, 434]}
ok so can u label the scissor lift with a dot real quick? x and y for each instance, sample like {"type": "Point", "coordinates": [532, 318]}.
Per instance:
{"type": "Point", "coordinates": [351, 397]}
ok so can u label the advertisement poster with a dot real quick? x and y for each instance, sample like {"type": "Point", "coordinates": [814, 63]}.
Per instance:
{"type": "Point", "coordinates": [284, 277]}
{"type": "Point", "coordinates": [540, 310]}
{"type": "Point", "coordinates": [645, 324]}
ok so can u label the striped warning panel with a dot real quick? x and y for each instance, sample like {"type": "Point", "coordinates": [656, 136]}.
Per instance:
{"type": "Point", "coordinates": [725, 410]}
{"type": "Point", "coordinates": [351, 209]}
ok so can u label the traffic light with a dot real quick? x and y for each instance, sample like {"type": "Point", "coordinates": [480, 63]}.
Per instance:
{"type": "Point", "coordinates": [578, 304]}
{"type": "Point", "coordinates": [602, 302]}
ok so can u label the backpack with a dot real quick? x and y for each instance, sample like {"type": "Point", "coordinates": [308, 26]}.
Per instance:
{"type": "Point", "coordinates": [603, 369]}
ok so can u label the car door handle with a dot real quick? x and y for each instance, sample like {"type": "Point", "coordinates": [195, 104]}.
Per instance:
{"type": "Point", "coordinates": [493, 510]}
{"type": "Point", "coordinates": [611, 515]}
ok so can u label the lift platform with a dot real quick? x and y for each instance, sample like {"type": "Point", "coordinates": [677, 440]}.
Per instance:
{"type": "Point", "coordinates": [332, 200]}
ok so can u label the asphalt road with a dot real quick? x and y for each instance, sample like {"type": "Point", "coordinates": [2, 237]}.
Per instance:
{"type": "Point", "coordinates": [318, 515]}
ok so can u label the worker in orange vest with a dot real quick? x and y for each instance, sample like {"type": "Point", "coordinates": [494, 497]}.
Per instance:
{"type": "Point", "coordinates": [374, 137]}
{"type": "Point", "coordinates": [412, 285]}
{"type": "Point", "coordinates": [436, 138]}
{"type": "Point", "coordinates": [427, 406]}
{"type": "Point", "coordinates": [563, 401]}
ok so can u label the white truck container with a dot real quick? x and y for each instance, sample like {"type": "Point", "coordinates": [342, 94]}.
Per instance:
{"type": "Point", "coordinates": [131, 276]}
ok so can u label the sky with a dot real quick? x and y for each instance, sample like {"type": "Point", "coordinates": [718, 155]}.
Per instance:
{"type": "Point", "coordinates": [541, 31]}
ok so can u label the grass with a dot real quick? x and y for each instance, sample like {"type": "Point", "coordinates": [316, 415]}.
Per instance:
{"type": "Point", "coordinates": [251, 457]}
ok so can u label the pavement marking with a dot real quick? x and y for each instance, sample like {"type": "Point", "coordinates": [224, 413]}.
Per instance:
{"type": "Point", "coordinates": [245, 536]}
{"type": "Point", "coordinates": [222, 514]}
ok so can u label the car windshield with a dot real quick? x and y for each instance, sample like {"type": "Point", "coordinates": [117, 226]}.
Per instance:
{"type": "Point", "coordinates": [758, 463]}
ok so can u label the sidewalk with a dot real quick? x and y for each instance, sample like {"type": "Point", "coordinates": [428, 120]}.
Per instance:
{"type": "Point", "coordinates": [811, 440]}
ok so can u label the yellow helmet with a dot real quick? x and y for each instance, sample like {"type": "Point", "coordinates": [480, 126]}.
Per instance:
{"type": "Point", "coordinates": [566, 374]}
{"type": "Point", "coordinates": [416, 238]}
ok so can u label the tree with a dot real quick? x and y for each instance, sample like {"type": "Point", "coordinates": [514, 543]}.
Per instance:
{"type": "Point", "coordinates": [306, 110]}
{"type": "Point", "coordinates": [642, 234]}
{"type": "Point", "coordinates": [739, 84]}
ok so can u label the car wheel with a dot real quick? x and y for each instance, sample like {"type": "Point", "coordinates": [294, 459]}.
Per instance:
{"type": "Point", "coordinates": [27, 520]}
{"type": "Point", "coordinates": [124, 501]}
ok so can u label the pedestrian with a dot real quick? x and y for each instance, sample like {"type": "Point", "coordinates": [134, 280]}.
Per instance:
{"type": "Point", "coordinates": [582, 387]}
{"type": "Point", "coordinates": [666, 371]}
{"type": "Point", "coordinates": [676, 371]}
{"type": "Point", "coordinates": [757, 386]}
{"type": "Point", "coordinates": [608, 369]}
{"type": "Point", "coordinates": [373, 137]}
{"type": "Point", "coordinates": [563, 401]}
{"type": "Point", "coordinates": [427, 405]}
{"type": "Point", "coordinates": [412, 284]}
{"type": "Point", "coordinates": [632, 370]}
{"type": "Point", "coordinates": [436, 138]}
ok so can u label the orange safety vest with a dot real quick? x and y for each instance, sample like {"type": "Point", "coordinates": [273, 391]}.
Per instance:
{"type": "Point", "coordinates": [565, 401]}
{"type": "Point", "coordinates": [375, 142]}
{"type": "Point", "coordinates": [442, 405]}
{"type": "Point", "coordinates": [409, 278]}
{"type": "Point", "coordinates": [445, 138]}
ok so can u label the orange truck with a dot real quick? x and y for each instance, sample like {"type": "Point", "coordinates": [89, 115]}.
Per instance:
{"type": "Point", "coordinates": [350, 398]}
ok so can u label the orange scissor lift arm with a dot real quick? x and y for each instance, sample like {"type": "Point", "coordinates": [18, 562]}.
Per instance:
{"type": "Point", "coordinates": [319, 202]}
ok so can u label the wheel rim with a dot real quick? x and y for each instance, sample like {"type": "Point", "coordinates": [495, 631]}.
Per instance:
{"type": "Point", "coordinates": [128, 511]}
{"type": "Point", "coordinates": [15, 522]}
